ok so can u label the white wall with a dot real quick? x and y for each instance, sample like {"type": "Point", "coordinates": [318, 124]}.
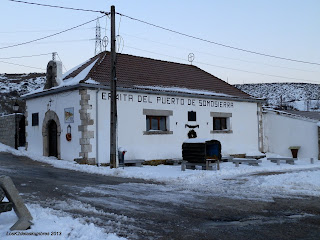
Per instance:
{"type": "Point", "coordinates": [69, 150]}
{"type": "Point", "coordinates": [281, 132]}
{"type": "Point", "coordinates": [132, 124]}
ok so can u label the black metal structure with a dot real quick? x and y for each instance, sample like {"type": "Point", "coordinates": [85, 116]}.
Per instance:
{"type": "Point", "coordinates": [198, 152]}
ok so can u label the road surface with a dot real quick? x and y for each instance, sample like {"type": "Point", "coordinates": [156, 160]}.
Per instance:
{"type": "Point", "coordinates": [139, 209]}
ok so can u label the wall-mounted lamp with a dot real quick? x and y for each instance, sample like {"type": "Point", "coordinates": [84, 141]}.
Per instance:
{"type": "Point", "coordinates": [15, 107]}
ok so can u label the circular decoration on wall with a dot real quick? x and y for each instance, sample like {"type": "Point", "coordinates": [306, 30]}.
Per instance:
{"type": "Point", "coordinates": [192, 134]}
{"type": "Point", "coordinates": [68, 137]}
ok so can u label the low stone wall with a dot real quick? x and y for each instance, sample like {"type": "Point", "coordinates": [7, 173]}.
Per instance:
{"type": "Point", "coordinates": [9, 125]}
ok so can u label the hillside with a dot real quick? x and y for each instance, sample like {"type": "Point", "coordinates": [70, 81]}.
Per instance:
{"type": "Point", "coordinates": [300, 96]}
{"type": "Point", "coordinates": [14, 85]}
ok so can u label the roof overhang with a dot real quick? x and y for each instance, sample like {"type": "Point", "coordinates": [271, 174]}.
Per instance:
{"type": "Point", "coordinates": [138, 90]}
{"type": "Point", "coordinates": [290, 115]}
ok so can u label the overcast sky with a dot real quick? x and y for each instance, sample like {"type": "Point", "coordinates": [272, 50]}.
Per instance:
{"type": "Point", "coordinates": [284, 28]}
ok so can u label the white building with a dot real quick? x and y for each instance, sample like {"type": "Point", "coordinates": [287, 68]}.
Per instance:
{"type": "Point", "coordinates": [159, 103]}
{"type": "Point", "coordinates": [287, 128]}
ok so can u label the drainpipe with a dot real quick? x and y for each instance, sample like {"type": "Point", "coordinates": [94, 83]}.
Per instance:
{"type": "Point", "coordinates": [97, 124]}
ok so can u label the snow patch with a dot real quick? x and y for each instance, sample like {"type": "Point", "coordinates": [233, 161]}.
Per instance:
{"type": "Point", "coordinates": [212, 181]}
{"type": "Point", "coordinates": [75, 80]}
{"type": "Point", "coordinates": [91, 81]}
{"type": "Point", "coordinates": [52, 224]}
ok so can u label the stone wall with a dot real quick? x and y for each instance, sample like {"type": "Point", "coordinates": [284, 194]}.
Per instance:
{"type": "Point", "coordinates": [9, 125]}
{"type": "Point", "coordinates": [86, 135]}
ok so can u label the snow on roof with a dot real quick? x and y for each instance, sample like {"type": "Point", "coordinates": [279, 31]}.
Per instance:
{"type": "Point", "coordinates": [91, 81]}
{"type": "Point", "coordinates": [81, 76]}
{"type": "Point", "coordinates": [184, 90]}
{"type": "Point", "coordinates": [307, 115]}
{"type": "Point", "coordinates": [74, 68]}
{"type": "Point", "coordinates": [70, 81]}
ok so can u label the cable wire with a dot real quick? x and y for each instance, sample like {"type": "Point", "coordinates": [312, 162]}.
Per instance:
{"type": "Point", "coordinates": [61, 62]}
{"type": "Point", "coordinates": [44, 54]}
{"type": "Point", "coordinates": [38, 39]}
{"type": "Point", "coordinates": [210, 54]}
{"type": "Point", "coordinates": [216, 43]}
{"type": "Point", "coordinates": [22, 65]}
{"type": "Point", "coordinates": [48, 30]}
{"type": "Point", "coordinates": [234, 69]}
{"type": "Point", "coordinates": [55, 6]}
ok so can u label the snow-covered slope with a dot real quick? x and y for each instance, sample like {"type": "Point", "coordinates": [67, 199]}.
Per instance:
{"type": "Point", "coordinates": [14, 85]}
{"type": "Point", "coordinates": [22, 83]}
{"type": "Point", "coordinates": [301, 96]}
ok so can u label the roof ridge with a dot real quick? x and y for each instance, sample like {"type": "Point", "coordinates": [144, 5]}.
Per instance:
{"type": "Point", "coordinates": [154, 59]}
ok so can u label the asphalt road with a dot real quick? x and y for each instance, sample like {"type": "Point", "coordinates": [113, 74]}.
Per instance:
{"type": "Point", "coordinates": [138, 209]}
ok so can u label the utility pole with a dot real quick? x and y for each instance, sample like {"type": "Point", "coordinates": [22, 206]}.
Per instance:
{"type": "Point", "coordinates": [113, 89]}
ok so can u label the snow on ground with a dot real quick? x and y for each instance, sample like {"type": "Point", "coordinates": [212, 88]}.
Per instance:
{"type": "Point", "coordinates": [51, 224]}
{"type": "Point", "coordinates": [303, 178]}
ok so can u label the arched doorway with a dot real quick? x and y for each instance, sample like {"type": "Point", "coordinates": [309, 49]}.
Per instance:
{"type": "Point", "coordinates": [51, 131]}
{"type": "Point", "coordinates": [52, 139]}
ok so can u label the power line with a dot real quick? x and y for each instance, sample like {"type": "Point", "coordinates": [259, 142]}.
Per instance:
{"type": "Point", "coordinates": [61, 62]}
{"type": "Point", "coordinates": [44, 54]}
{"type": "Point", "coordinates": [62, 41]}
{"type": "Point", "coordinates": [173, 31]}
{"type": "Point", "coordinates": [48, 30]}
{"type": "Point", "coordinates": [22, 65]}
{"type": "Point", "coordinates": [54, 6]}
{"type": "Point", "coordinates": [216, 43]}
{"type": "Point", "coordinates": [234, 69]}
{"type": "Point", "coordinates": [234, 59]}
{"type": "Point", "coordinates": [38, 39]}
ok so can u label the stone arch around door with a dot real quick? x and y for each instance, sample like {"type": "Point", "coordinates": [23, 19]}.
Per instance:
{"type": "Point", "coordinates": [49, 117]}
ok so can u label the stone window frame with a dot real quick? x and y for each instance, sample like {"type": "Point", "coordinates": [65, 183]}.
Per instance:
{"type": "Point", "coordinates": [228, 117]}
{"type": "Point", "coordinates": [158, 113]}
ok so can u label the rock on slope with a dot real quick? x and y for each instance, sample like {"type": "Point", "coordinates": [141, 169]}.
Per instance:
{"type": "Point", "coordinates": [297, 95]}
{"type": "Point", "coordinates": [14, 85]}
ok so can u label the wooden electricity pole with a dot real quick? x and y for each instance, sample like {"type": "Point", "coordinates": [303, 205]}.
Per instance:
{"type": "Point", "coordinates": [113, 89]}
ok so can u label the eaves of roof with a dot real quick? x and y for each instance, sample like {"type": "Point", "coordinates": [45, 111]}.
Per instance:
{"type": "Point", "coordinates": [138, 90]}
{"type": "Point", "coordinates": [302, 115]}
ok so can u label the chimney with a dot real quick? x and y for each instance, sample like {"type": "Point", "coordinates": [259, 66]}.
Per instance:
{"type": "Point", "coordinates": [54, 73]}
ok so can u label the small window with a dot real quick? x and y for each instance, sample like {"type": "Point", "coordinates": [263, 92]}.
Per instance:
{"type": "Point", "coordinates": [156, 123]}
{"type": "Point", "coordinates": [35, 119]}
{"type": "Point", "coordinates": [220, 123]}
{"type": "Point", "coordinates": [192, 116]}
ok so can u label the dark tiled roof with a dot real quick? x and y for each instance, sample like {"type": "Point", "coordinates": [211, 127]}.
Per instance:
{"type": "Point", "coordinates": [307, 114]}
{"type": "Point", "coordinates": [139, 71]}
